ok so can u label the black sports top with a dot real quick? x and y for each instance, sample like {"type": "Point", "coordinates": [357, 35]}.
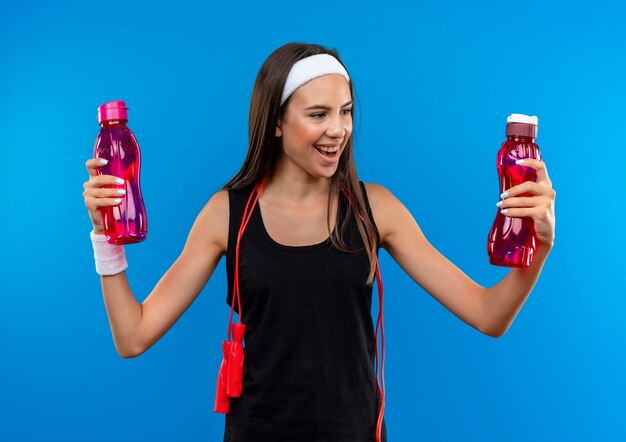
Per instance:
{"type": "Point", "coordinates": [309, 344]}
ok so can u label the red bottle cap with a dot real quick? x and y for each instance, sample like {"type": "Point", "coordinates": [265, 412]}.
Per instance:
{"type": "Point", "coordinates": [113, 110]}
{"type": "Point", "coordinates": [521, 125]}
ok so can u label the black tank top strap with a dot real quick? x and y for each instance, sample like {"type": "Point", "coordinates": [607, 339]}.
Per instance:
{"type": "Point", "coordinates": [237, 199]}
{"type": "Point", "coordinates": [369, 212]}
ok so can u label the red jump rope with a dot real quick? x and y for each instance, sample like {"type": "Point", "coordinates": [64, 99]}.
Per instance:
{"type": "Point", "coordinates": [230, 375]}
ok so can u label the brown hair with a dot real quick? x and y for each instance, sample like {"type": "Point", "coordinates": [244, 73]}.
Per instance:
{"type": "Point", "coordinates": [264, 147]}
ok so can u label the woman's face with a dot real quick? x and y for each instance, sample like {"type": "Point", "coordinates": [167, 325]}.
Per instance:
{"type": "Point", "coordinates": [318, 114]}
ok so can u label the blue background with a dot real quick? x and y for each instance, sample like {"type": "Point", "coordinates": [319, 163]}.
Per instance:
{"type": "Point", "coordinates": [434, 84]}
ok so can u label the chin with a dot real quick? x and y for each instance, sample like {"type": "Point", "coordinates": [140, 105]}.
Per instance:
{"type": "Point", "coordinates": [330, 174]}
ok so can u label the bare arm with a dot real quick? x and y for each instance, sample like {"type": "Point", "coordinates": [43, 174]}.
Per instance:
{"type": "Point", "coordinates": [403, 239]}
{"type": "Point", "coordinates": [186, 278]}
{"type": "Point", "coordinates": [504, 300]}
{"type": "Point", "coordinates": [136, 327]}
{"type": "Point", "coordinates": [492, 310]}
{"type": "Point", "coordinates": [123, 310]}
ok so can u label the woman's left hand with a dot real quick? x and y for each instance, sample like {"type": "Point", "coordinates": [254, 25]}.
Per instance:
{"type": "Point", "coordinates": [539, 207]}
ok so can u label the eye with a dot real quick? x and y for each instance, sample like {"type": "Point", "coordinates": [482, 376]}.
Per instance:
{"type": "Point", "coordinates": [320, 115]}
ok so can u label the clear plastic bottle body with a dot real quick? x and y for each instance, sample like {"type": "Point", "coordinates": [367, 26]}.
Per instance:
{"type": "Point", "coordinates": [512, 241]}
{"type": "Point", "coordinates": [125, 223]}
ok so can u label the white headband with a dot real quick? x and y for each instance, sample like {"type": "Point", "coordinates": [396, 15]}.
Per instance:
{"type": "Point", "coordinates": [309, 68]}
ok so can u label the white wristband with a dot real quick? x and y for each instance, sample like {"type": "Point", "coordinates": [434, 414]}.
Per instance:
{"type": "Point", "coordinates": [110, 258]}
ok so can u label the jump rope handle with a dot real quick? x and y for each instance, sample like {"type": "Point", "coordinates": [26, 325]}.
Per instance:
{"type": "Point", "coordinates": [235, 362]}
{"type": "Point", "coordinates": [222, 401]}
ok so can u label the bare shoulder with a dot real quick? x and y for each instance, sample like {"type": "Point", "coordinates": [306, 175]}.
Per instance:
{"type": "Point", "coordinates": [392, 217]}
{"type": "Point", "coordinates": [382, 203]}
{"type": "Point", "coordinates": [213, 220]}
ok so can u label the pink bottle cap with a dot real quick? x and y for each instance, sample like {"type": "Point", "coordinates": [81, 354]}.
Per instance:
{"type": "Point", "coordinates": [113, 110]}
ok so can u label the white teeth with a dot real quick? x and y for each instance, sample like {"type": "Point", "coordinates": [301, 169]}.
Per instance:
{"type": "Point", "coordinates": [325, 149]}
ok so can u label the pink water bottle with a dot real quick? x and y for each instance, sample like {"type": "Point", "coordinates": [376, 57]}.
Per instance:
{"type": "Point", "coordinates": [512, 241]}
{"type": "Point", "coordinates": [125, 223]}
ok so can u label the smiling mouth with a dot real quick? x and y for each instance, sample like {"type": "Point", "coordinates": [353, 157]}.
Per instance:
{"type": "Point", "coordinates": [324, 150]}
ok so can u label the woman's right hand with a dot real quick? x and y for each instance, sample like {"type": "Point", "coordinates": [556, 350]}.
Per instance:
{"type": "Point", "coordinates": [97, 195]}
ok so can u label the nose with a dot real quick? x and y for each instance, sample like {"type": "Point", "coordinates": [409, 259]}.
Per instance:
{"type": "Point", "coordinates": [336, 127]}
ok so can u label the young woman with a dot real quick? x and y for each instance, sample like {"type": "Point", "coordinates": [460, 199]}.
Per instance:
{"type": "Point", "coordinates": [307, 260]}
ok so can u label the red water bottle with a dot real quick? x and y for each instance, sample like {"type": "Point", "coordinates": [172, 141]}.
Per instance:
{"type": "Point", "coordinates": [126, 222]}
{"type": "Point", "coordinates": [512, 241]}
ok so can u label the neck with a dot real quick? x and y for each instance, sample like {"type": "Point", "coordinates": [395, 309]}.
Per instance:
{"type": "Point", "coordinates": [294, 186]}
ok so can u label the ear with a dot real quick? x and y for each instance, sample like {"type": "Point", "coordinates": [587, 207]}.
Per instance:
{"type": "Point", "coordinates": [279, 131]}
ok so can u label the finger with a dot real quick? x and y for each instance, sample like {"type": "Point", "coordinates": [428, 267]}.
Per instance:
{"type": "Point", "coordinates": [94, 203]}
{"type": "Point", "coordinates": [540, 167]}
{"type": "Point", "coordinates": [92, 165]}
{"type": "Point", "coordinates": [103, 180]}
{"type": "Point", "coordinates": [526, 187]}
{"type": "Point", "coordinates": [519, 202]}
{"type": "Point", "coordinates": [105, 192]}
{"type": "Point", "coordinates": [517, 212]}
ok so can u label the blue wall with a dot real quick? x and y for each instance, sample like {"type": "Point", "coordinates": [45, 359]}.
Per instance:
{"type": "Point", "coordinates": [434, 86]}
